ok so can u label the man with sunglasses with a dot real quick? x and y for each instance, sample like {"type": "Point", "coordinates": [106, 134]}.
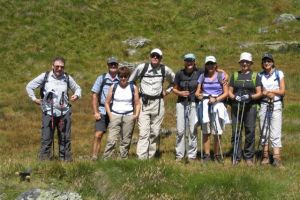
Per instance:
{"type": "Point", "coordinates": [151, 76]}
{"type": "Point", "coordinates": [99, 94]}
{"type": "Point", "coordinates": [56, 109]}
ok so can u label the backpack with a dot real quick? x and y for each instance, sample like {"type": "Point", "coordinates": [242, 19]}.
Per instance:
{"type": "Point", "coordinates": [132, 96]}
{"type": "Point", "coordinates": [45, 80]}
{"type": "Point", "coordinates": [278, 81]}
{"type": "Point", "coordinates": [145, 69]}
{"type": "Point", "coordinates": [101, 88]}
{"type": "Point", "coordinates": [219, 77]}
{"type": "Point", "coordinates": [253, 77]}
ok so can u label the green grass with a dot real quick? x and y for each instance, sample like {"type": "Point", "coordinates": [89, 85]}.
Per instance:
{"type": "Point", "coordinates": [86, 33]}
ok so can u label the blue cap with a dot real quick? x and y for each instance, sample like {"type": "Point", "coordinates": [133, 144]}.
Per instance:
{"type": "Point", "coordinates": [189, 57]}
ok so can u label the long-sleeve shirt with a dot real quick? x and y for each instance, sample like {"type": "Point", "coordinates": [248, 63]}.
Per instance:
{"type": "Point", "coordinates": [55, 92]}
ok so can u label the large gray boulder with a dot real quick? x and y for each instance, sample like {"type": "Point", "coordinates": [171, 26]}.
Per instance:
{"type": "Point", "coordinates": [40, 194]}
{"type": "Point", "coordinates": [285, 17]}
{"type": "Point", "coordinates": [137, 42]}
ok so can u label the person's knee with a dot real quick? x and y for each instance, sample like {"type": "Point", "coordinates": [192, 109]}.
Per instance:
{"type": "Point", "coordinates": [98, 135]}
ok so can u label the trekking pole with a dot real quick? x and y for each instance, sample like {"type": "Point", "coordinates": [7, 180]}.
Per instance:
{"type": "Point", "coordinates": [186, 125]}
{"type": "Point", "coordinates": [50, 99]}
{"type": "Point", "coordinates": [269, 114]}
{"type": "Point", "coordinates": [262, 134]}
{"type": "Point", "coordinates": [215, 117]}
{"type": "Point", "coordinates": [235, 135]}
{"type": "Point", "coordinates": [201, 137]}
{"type": "Point", "coordinates": [61, 124]}
{"type": "Point", "coordinates": [240, 129]}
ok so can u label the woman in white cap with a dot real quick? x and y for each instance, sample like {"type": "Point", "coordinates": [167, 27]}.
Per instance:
{"type": "Point", "coordinates": [211, 90]}
{"type": "Point", "coordinates": [244, 89]}
{"type": "Point", "coordinates": [185, 85]}
{"type": "Point", "coordinates": [271, 109]}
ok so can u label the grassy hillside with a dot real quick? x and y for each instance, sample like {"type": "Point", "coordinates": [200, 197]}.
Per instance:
{"type": "Point", "coordinates": [86, 33]}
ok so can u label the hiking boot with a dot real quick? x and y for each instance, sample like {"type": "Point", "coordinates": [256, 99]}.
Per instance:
{"type": "Point", "coordinates": [265, 161]}
{"type": "Point", "coordinates": [278, 163]}
{"type": "Point", "coordinates": [249, 163]}
{"type": "Point", "coordinates": [218, 159]}
{"type": "Point", "coordinates": [206, 158]}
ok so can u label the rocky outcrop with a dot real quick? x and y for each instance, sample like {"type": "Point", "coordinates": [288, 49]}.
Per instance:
{"type": "Point", "coordinates": [40, 194]}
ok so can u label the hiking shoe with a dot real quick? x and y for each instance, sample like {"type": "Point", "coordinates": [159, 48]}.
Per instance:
{"type": "Point", "coordinates": [206, 158]}
{"type": "Point", "coordinates": [265, 161]}
{"type": "Point", "coordinates": [278, 163]}
{"type": "Point", "coordinates": [94, 158]}
{"type": "Point", "coordinates": [218, 159]}
{"type": "Point", "coordinates": [249, 163]}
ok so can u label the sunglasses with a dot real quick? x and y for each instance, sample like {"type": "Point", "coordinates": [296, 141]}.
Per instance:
{"type": "Point", "coordinates": [113, 64]}
{"type": "Point", "coordinates": [189, 60]}
{"type": "Point", "coordinates": [267, 61]}
{"type": "Point", "coordinates": [59, 66]}
{"type": "Point", "coordinates": [245, 62]}
{"type": "Point", "coordinates": [123, 76]}
{"type": "Point", "coordinates": [155, 55]}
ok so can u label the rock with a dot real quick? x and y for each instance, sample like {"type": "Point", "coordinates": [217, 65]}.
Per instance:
{"type": "Point", "coordinates": [40, 194]}
{"type": "Point", "coordinates": [263, 30]}
{"type": "Point", "coordinates": [274, 45]}
{"type": "Point", "coordinates": [129, 65]}
{"type": "Point", "coordinates": [222, 29]}
{"type": "Point", "coordinates": [283, 18]}
{"type": "Point", "coordinates": [131, 52]}
{"type": "Point", "coordinates": [165, 132]}
{"type": "Point", "coordinates": [137, 42]}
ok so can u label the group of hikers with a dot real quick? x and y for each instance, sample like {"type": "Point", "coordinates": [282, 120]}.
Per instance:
{"type": "Point", "coordinates": [203, 94]}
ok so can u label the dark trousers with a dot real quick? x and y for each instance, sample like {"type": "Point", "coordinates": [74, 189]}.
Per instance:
{"type": "Point", "coordinates": [63, 127]}
{"type": "Point", "coordinates": [249, 123]}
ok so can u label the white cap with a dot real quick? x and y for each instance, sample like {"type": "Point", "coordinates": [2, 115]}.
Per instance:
{"type": "Point", "coordinates": [158, 51]}
{"type": "Point", "coordinates": [210, 59]}
{"type": "Point", "coordinates": [246, 56]}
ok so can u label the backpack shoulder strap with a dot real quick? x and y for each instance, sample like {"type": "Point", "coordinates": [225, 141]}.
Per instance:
{"type": "Point", "coordinates": [277, 76]}
{"type": "Point", "coordinates": [235, 76]}
{"type": "Point", "coordinates": [67, 79]}
{"type": "Point", "coordinates": [132, 93]}
{"type": "Point", "coordinates": [42, 87]}
{"type": "Point", "coordinates": [163, 72]}
{"type": "Point", "coordinates": [219, 76]}
{"type": "Point", "coordinates": [113, 92]}
{"type": "Point", "coordinates": [101, 87]}
{"type": "Point", "coordinates": [145, 69]}
{"type": "Point", "coordinates": [253, 77]}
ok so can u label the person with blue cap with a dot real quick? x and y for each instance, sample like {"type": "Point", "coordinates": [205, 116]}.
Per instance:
{"type": "Point", "coordinates": [99, 94]}
{"type": "Point", "coordinates": [185, 85]}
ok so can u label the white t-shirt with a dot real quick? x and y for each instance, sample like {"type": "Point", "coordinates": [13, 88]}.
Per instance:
{"type": "Point", "coordinates": [270, 82]}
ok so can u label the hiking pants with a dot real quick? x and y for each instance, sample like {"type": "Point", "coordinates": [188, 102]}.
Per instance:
{"type": "Point", "coordinates": [149, 125]}
{"type": "Point", "coordinates": [119, 127]}
{"type": "Point", "coordinates": [181, 131]}
{"type": "Point", "coordinates": [64, 136]}
{"type": "Point", "coordinates": [249, 122]}
{"type": "Point", "coordinates": [274, 134]}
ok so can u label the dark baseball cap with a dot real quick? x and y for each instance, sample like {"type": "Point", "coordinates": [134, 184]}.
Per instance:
{"type": "Point", "coordinates": [267, 56]}
{"type": "Point", "coordinates": [112, 60]}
